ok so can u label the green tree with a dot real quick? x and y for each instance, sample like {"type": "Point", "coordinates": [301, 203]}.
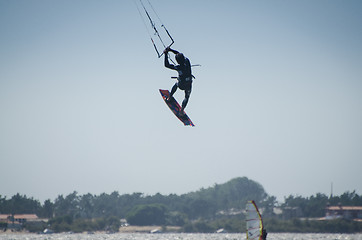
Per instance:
{"type": "Point", "coordinates": [113, 224]}
{"type": "Point", "coordinates": [20, 204]}
{"type": "Point", "coordinates": [67, 206]}
{"type": "Point", "coordinates": [153, 214]}
{"type": "Point", "coordinates": [316, 205]}
{"type": "Point", "coordinates": [269, 205]}
{"type": "Point", "coordinates": [176, 219]}
{"type": "Point", "coordinates": [47, 209]}
{"type": "Point", "coordinates": [86, 206]}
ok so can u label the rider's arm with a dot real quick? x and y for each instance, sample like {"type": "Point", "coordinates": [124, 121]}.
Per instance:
{"type": "Point", "coordinates": [173, 51]}
{"type": "Point", "coordinates": [167, 63]}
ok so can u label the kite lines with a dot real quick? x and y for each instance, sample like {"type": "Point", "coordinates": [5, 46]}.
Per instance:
{"type": "Point", "coordinates": [157, 31]}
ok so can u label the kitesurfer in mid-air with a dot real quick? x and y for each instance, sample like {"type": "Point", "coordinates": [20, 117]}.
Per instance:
{"type": "Point", "coordinates": [184, 79]}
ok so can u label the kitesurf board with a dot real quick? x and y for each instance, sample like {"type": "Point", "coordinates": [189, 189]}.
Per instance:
{"type": "Point", "coordinates": [176, 108]}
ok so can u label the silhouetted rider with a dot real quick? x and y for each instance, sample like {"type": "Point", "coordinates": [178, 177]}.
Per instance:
{"type": "Point", "coordinates": [184, 79]}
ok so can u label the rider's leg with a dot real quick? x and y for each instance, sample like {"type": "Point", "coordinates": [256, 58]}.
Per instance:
{"type": "Point", "coordinates": [186, 100]}
{"type": "Point", "coordinates": [173, 90]}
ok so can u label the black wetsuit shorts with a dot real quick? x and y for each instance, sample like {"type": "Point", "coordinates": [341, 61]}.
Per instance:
{"type": "Point", "coordinates": [185, 84]}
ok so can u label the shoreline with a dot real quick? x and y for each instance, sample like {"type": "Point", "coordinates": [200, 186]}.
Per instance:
{"type": "Point", "coordinates": [127, 229]}
{"type": "Point", "coordinates": [148, 229]}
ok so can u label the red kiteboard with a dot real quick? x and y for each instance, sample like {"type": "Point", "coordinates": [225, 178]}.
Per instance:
{"type": "Point", "coordinates": [176, 108]}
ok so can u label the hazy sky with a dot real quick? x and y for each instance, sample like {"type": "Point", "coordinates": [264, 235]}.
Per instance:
{"type": "Point", "coordinates": [278, 97]}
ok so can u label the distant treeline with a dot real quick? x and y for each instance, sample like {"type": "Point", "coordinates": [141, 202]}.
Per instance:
{"type": "Point", "coordinates": [206, 210]}
{"type": "Point", "coordinates": [205, 203]}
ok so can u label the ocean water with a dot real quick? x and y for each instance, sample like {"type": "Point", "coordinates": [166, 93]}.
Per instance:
{"type": "Point", "coordinates": [174, 236]}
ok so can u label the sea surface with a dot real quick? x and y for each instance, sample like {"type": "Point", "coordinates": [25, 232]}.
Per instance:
{"type": "Point", "coordinates": [174, 236]}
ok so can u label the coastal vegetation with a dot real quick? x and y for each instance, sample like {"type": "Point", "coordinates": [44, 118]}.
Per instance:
{"type": "Point", "coordinates": [205, 210]}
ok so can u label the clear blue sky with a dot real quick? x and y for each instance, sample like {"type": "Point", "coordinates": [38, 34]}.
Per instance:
{"type": "Point", "coordinates": [278, 98]}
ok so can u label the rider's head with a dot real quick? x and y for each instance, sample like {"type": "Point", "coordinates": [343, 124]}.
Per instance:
{"type": "Point", "coordinates": [180, 58]}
